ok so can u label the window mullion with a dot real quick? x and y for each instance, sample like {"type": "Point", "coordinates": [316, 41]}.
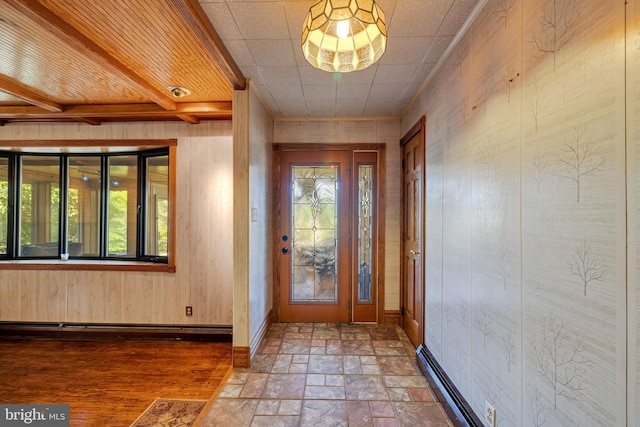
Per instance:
{"type": "Point", "coordinates": [64, 205]}
{"type": "Point", "coordinates": [142, 208]}
{"type": "Point", "coordinates": [14, 184]}
{"type": "Point", "coordinates": [104, 203]}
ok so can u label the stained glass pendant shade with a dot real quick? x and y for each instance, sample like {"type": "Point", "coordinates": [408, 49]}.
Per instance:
{"type": "Point", "coordinates": [344, 35]}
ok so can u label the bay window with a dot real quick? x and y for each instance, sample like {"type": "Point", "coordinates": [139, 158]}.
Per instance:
{"type": "Point", "coordinates": [91, 205]}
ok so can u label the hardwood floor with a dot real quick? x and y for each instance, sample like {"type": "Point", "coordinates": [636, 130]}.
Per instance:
{"type": "Point", "coordinates": [109, 383]}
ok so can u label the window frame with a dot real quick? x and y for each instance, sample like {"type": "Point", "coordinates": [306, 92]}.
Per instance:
{"type": "Point", "coordinates": [103, 149]}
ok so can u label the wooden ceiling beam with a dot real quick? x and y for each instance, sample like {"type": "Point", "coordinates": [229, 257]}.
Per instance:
{"type": "Point", "coordinates": [92, 122]}
{"type": "Point", "coordinates": [188, 118]}
{"type": "Point", "coordinates": [24, 92]}
{"type": "Point", "coordinates": [199, 22]}
{"type": "Point", "coordinates": [98, 112]}
{"type": "Point", "coordinates": [48, 20]}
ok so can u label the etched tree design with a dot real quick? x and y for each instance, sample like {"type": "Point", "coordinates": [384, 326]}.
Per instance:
{"type": "Point", "coordinates": [459, 55]}
{"type": "Point", "coordinates": [491, 388]}
{"type": "Point", "coordinates": [450, 316]}
{"type": "Point", "coordinates": [434, 92]}
{"type": "Point", "coordinates": [484, 322]}
{"type": "Point", "coordinates": [508, 82]}
{"type": "Point", "coordinates": [536, 101]}
{"type": "Point", "coordinates": [579, 157]}
{"type": "Point", "coordinates": [488, 156]}
{"type": "Point", "coordinates": [538, 167]}
{"type": "Point", "coordinates": [464, 110]}
{"type": "Point", "coordinates": [586, 266]}
{"type": "Point", "coordinates": [557, 26]}
{"type": "Point", "coordinates": [537, 409]}
{"type": "Point", "coordinates": [504, 265]}
{"type": "Point", "coordinates": [459, 310]}
{"type": "Point", "coordinates": [459, 362]}
{"type": "Point", "coordinates": [484, 93]}
{"type": "Point", "coordinates": [509, 347]}
{"type": "Point", "coordinates": [502, 10]}
{"type": "Point", "coordinates": [559, 361]}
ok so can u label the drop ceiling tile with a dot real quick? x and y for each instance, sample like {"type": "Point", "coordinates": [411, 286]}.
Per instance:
{"type": "Point", "coordinates": [296, 13]}
{"type": "Point", "coordinates": [267, 99]}
{"type": "Point", "coordinates": [272, 52]}
{"type": "Point", "coordinates": [240, 52]}
{"type": "Point", "coordinates": [254, 74]}
{"type": "Point", "coordinates": [387, 91]}
{"type": "Point", "coordinates": [394, 73]}
{"type": "Point", "coordinates": [222, 20]}
{"type": "Point", "coordinates": [388, 8]}
{"type": "Point", "coordinates": [297, 51]}
{"type": "Point", "coordinates": [353, 107]}
{"type": "Point", "coordinates": [310, 75]}
{"type": "Point", "coordinates": [321, 108]}
{"type": "Point", "coordinates": [422, 72]}
{"type": "Point", "coordinates": [264, 93]}
{"type": "Point", "coordinates": [358, 77]}
{"type": "Point", "coordinates": [286, 92]}
{"type": "Point", "coordinates": [263, 37]}
{"type": "Point", "coordinates": [349, 92]}
{"type": "Point", "coordinates": [319, 92]}
{"type": "Point", "coordinates": [437, 48]}
{"type": "Point", "coordinates": [389, 108]}
{"type": "Point", "coordinates": [418, 18]}
{"type": "Point", "coordinates": [405, 50]}
{"type": "Point", "coordinates": [458, 14]}
{"type": "Point", "coordinates": [260, 20]}
{"type": "Point", "coordinates": [292, 108]}
{"type": "Point", "coordinates": [410, 92]}
{"type": "Point", "coordinates": [280, 75]}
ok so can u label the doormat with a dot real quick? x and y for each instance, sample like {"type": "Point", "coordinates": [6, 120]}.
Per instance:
{"type": "Point", "coordinates": [170, 412]}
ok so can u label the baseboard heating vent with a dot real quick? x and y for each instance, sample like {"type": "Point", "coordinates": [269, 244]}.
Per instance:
{"type": "Point", "coordinates": [458, 409]}
{"type": "Point", "coordinates": [18, 330]}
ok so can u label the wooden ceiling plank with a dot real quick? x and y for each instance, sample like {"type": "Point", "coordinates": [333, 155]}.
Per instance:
{"type": "Point", "coordinates": [24, 92]}
{"type": "Point", "coordinates": [197, 19]}
{"type": "Point", "coordinates": [188, 118]}
{"type": "Point", "coordinates": [199, 109]}
{"type": "Point", "coordinates": [77, 41]}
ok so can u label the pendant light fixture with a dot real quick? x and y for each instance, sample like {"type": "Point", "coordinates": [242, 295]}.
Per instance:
{"type": "Point", "coordinates": [344, 35]}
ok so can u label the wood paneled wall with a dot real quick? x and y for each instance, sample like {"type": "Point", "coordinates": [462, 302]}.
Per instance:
{"type": "Point", "coordinates": [527, 210]}
{"type": "Point", "coordinates": [204, 274]}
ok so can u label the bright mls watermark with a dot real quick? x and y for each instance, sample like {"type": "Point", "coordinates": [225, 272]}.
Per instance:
{"type": "Point", "coordinates": [53, 415]}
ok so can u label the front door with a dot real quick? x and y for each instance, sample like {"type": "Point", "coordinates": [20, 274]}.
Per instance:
{"type": "Point", "coordinates": [314, 255]}
{"type": "Point", "coordinates": [412, 230]}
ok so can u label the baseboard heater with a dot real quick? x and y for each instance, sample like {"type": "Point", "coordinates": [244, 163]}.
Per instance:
{"type": "Point", "coordinates": [458, 409]}
{"type": "Point", "coordinates": [115, 331]}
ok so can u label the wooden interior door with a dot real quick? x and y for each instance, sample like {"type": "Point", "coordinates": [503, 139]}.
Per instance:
{"type": "Point", "coordinates": [412, 267]}
{"type": "Point", "coordinates": [314, 255]}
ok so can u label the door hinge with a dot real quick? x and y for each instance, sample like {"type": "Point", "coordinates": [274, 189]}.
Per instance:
{"type": "Point", "coordinates": [402, 311]}
{"type": "Point", "coordinates": [402, 164]}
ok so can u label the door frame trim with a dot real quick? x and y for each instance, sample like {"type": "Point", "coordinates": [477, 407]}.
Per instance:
{"type": "Point", "coordinates": [418, 128]}
{"type": "Point", "coordinates": [381, 149]}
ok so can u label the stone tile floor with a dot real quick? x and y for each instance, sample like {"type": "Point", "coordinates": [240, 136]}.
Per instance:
{"type": "Point", "coordinates": [319, 374]}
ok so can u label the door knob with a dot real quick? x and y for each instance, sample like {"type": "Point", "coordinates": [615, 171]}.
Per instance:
{"type": "Point", "coordinates": [412, 252]}
{"type": "Point", "coordinates": [285, 250]}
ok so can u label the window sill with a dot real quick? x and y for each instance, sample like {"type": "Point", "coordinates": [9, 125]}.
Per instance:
{"type": "Point", "coordinates": [116, 265]}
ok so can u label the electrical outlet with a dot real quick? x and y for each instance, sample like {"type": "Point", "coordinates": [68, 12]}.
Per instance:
{"type": "Point", "coordinates": [189, 311]}
{"type": "Point", "coordinates": [489, 414]}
